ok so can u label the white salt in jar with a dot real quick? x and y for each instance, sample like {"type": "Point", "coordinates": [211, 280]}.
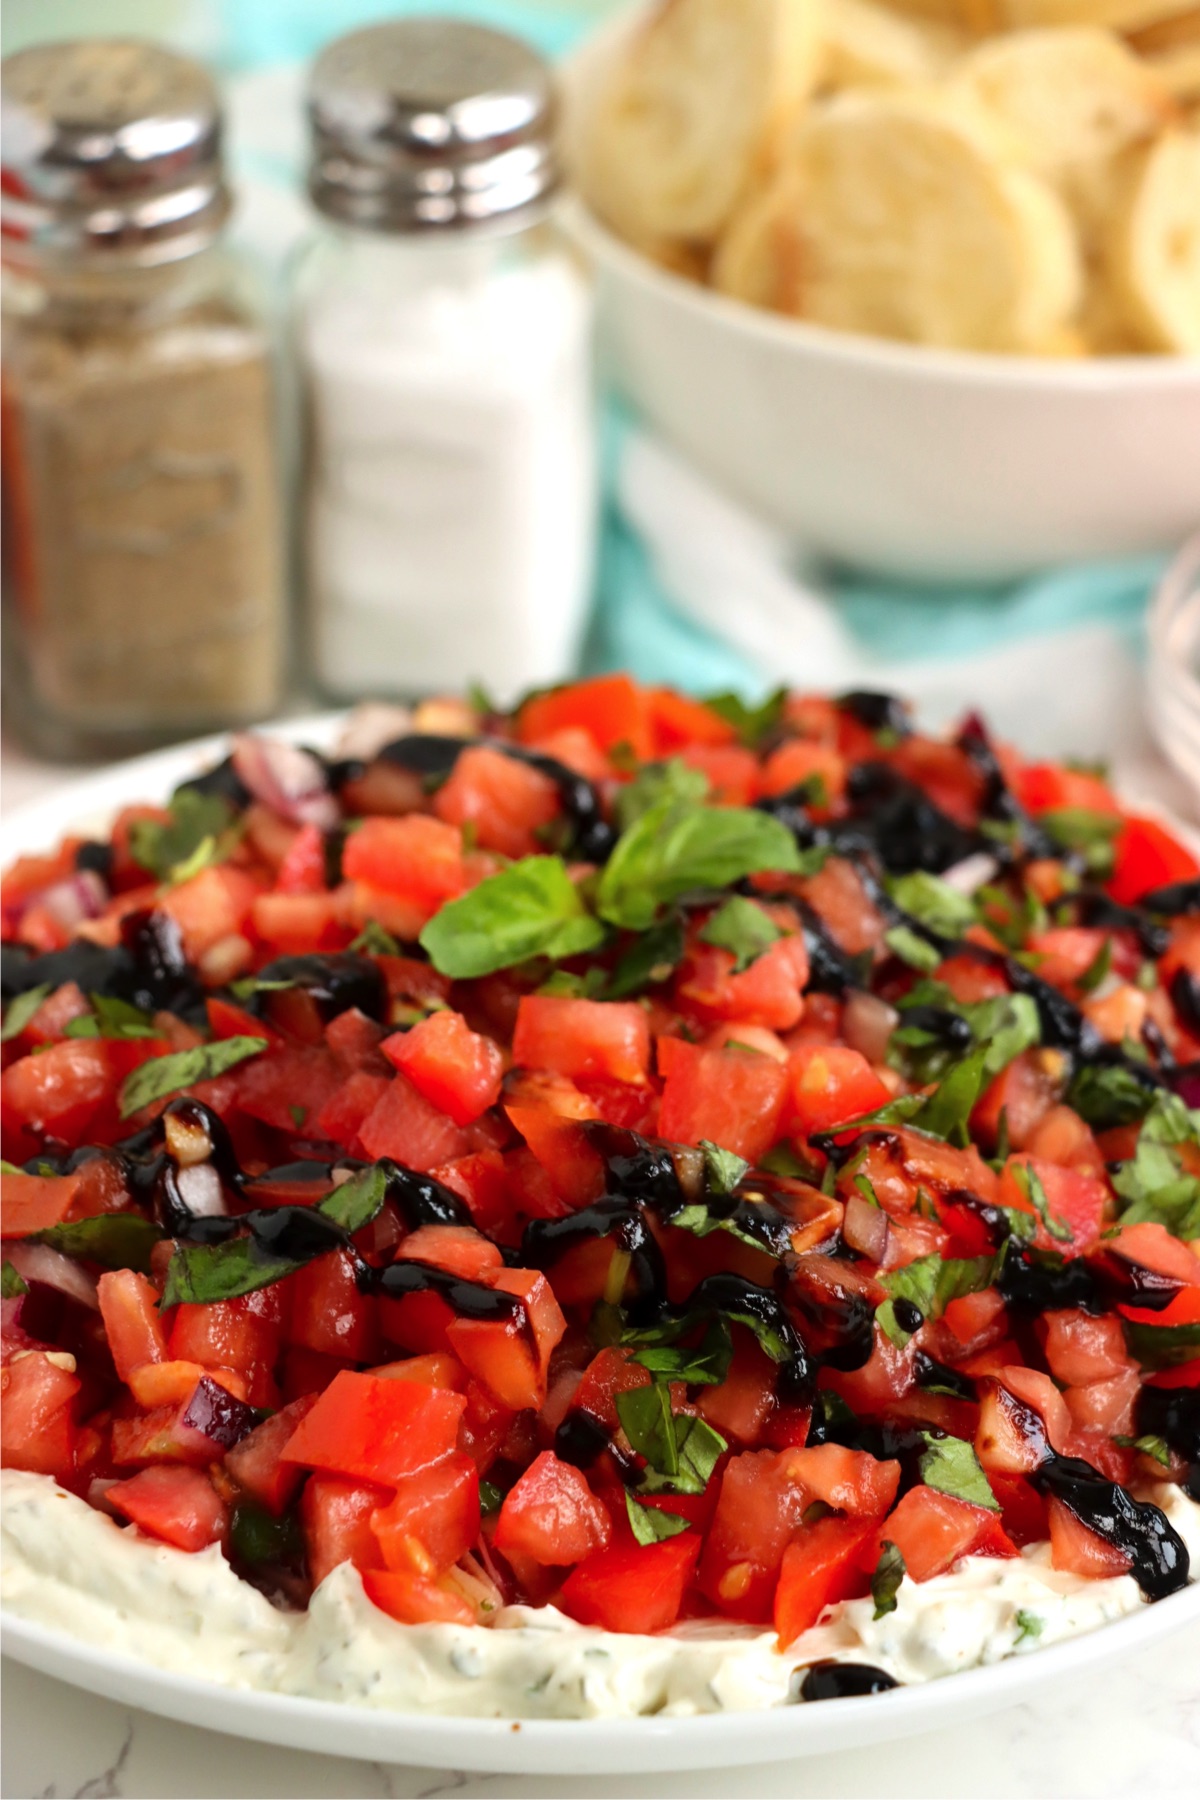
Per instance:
{"type": "Point", "coordinates": [443, 337]}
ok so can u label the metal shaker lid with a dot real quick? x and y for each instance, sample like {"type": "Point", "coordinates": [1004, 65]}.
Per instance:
{"type": "Point", "coordinates": [111, 150]}
{"type": "Point", "coordinates": [429, 123]}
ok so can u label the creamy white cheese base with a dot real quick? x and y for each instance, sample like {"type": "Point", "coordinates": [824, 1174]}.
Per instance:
{"type": "Point", "coordinates": [67, 1566]}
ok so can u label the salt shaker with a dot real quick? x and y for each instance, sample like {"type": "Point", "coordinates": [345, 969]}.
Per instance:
{"type": "Point", "coordinates": [144, 582]}
{"type": "Point", "coordinates": [443, 335]}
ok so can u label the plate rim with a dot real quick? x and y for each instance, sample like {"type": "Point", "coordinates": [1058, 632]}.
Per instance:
{"type": "Point", "coordinates": [627, 1744]}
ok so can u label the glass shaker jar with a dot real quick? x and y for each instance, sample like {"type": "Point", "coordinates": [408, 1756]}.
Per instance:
{"type": "Point", "coordinates": [443, 340]}
{"type": "Point", "coordinates": [144, 582]}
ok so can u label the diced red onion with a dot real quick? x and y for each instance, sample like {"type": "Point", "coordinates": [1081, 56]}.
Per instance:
{"type": "Point", "coordinates": [1187, 1086]}
{"type": "Point", "coordinates": [201, 1191]}
{"type": "Point", "coordinates": [80, 896]}
{"type": "Point", "coordinates": [867, 1024]}
{"type": "Point", "coordinates": [289, 780]}
{"type": "Point", "coordinates": [971, 873]}
{"type": "Point", "coordinates": [39, 1263]}
{"type": "Point", "coordinates": [217, 1414]}
{"type": "Point", "coordinates": [11, 1328]}
{"type": "Point", "coordinates": [371, 726]}
{"type": "Point", "coordinates": [865, 1228]}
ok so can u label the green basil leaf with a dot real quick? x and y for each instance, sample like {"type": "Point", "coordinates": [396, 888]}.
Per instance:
{"type": "Point", "coordinates": [164, 1075]}
{"type": "Point", "coordinates": [706, 1364]}
{"type": "Point", "coordinates": [257, 1536]}
{"type": "Point", "coordinates": [1088, 833]}
{"type": "Point", "coordinates": [951, 1466]}
{"type": "Point", "coordinates": [117, 1240]}
{"type": "Point", "coordinates": [1097, 969]}
{"type": "Point", "coordinates": [885, 1582]}
{"type": "Point", "coordinates": [532, 908]}
{"type": "Point", "coordinates": [12, 1286]}
{"type": "Point", "coordinates": [589, 986]}
{"type": "Point", "coordinates": [655, 783]}
{"type": "Point", "coordinates": [197, 834]}
{"type": "Point", "coordinates": [21, 1009]}
{"type": "Point", "coordinates": [112, 1018]}
{"type": "Point", "coordinates": [356, 1202]}
{"type": "Point", "coordinates": [905, 943]}
{"type": "Point", "coordinates": [1030, 1184]}
{"type": "Point", "coordinates": [742, 927]}
{"type": "Point", "coordinates": [1153, 1183]}
{"type": "Point", "coordinates": [676, 848]}
{"type": "Point", "coordinates": [1154, 1447]}
{"type": "Point", "coordinates": [7, 1168]}
{"type": "Point", "coordinates": [1107, 1097]}
{"type": "Point", "coordinates": [1162, 1346]}
{"type": "Point", "coordinates": [751, 722]}
{"type": "Point", "coordinates": [491, 1498]}
{"type": "Point", "coordinates": [198, 1274]}
{"type": "Point", "coordinates": [930, 1284]}
{"type": "Point", "coordinates": [1029, 1624]}
{"type": "Point", "coordinates": [649, 1424]}
{"type": "Point", "coordinates": [932, 902]}
{"type": "Point", "coordinates": [373, 940]}
{"type": "Point", "coordinates": [250, 985]}
{"type": "Point", "coordinates": [722, 1168]}
{"type": "Point", "coordinates": [651, 959]}
{"type": "Point", "coordinates": [651, 1524]}
{"type": "Point", "coordinates": [698, 1450]}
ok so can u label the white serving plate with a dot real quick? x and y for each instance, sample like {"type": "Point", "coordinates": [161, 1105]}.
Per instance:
{"type": "Point", "coordinates": [902, 460]}
{"type": "Point", "coordinates": [544, 1747]}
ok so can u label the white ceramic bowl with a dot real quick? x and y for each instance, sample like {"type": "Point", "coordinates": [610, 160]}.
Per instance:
{"type": "Point", "coordinates": [1173, 666]}
{"type": "Point", "coordinates": [902, 460]}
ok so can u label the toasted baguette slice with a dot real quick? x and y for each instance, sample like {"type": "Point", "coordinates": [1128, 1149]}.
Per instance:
{"type": "Point", "coordinates": [1152, 259]}
{"type": "Point", "coordinates": [693, 111]}
{"type": "Point", "coordinates": [865, 45]}
{"type": "Point", "coordinates": [1073, 98]}
{"type": "Point", "coordinates": [901, 219]}
{"type": "Point", "coordinates": [1118, 15]}
{"type": "Point", "coordinates": [1179, 71]}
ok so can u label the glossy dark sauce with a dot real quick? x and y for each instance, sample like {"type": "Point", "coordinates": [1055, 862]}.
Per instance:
{"type": "Point", "coordinates": [845, 1681]}
{"type": "Point", "coordinates": [335, 982]}
{"type": "Point", "coordinates": [1173, 1414]}
{"type": "Point", "coordinates": [1158, 1555]}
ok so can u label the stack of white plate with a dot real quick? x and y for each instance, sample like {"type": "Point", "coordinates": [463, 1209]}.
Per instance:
{"type": "Point", "coordinates": [1173, 675]}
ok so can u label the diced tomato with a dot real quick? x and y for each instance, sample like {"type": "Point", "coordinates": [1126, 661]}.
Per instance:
{"type": "Point", "coordinates": [677, 720]}
{"type": "Point", "coordinates": [933, 1530]}
{"type": "Point", "coordinates": [288, 1087]}
{"type": "Point", "coordinates": [155, 1384]}
{"type": "Point", "coordinates": [257, 1465]}
{"type": "Point", "coordinates": [636, 1588]}
{"type": "Point", "coordinates": [505, 801]}
{"type": "Point", "coordinates": [37, 1418]}
{"type": "Point", "coordinates": [799, 760]}
{"type": "Point", "coordinates": [768, 993]}
{"type": "Point", "coordinates": [510, 1357]}
{"type": "Point", "coordinates": [459, 1249]}
{"type": "Point", "coordinates": [404, 1125]}
{"type": "Point", "coordinates": [607, 1038]}
{"type": "Point", "coordinates": [822, 1566]}
{"type": "Point", "coordinates": [209, 906]}
{"type": "Point", "coordinates": [739, 1406]}
{"type": "Point", "coordinates": [1023, 1093]}
{"type": "Point", "coordinates": [302, 870]}
{"type": "Point", "coordinates": [61, 1091]}
{"type": "Point", "coordinates": [432, 1520]}
{"type": "Point", "coordinates": [838, 894]}
{"type": "Point", "coordinates": [341, 1117]}
{"type": "Point", "coordinates": [1081, 1347]}
{"type": "Point", "coordinates": [336, 1516]}
{"type": "Point", "coordinates": [414, 1599]}
{"type": "Point", "coordinates": [1076, 1203]}
{"type": "Point", "coordinates": [329, 1312]}
{"type": "Point", "coordinates": [456, 1069]}
{"type": "Point", "coordinates": [731, 772]}
{"type": "Point", "coordinates": [178, 1505]}
{"type": "Point", "coordinates": [1048, 787]}
{"type": "Point", "coordinates": [228, 1334]}
{"type": "Point", "coordinates": [829, 1085]}
{"type": "Point", "coordinates": [551, 1515]}
{"type": "Point", "coordinates": [732, 1097]}
{"type": "Point", "coordinates": [611, 708]}
{"type": "Point", "coordinates": [850, 1481]}
{"type": "Point", "coordinates": [294, 923]}
{"type": "Point", "coordinates": [1147, 856]}
{"type": "Point", "coordinates": [132, 1325]}
{"type": "Point", "coordinates": [416, 858]}
{"type": "Point", "coordinates": [1078, 1549]}
{"type": "Point", "coordinates": [377, 1430]}
{"type": "Point", "coordinates": [758, 1511]}
{"type": "Point", "coordinates": [35, 1202]}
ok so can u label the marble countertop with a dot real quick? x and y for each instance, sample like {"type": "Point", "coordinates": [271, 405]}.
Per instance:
{"type": "Point", "coordinates": [1128, 1730]}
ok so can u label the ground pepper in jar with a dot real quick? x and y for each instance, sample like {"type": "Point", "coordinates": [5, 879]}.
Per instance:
{"type": "Point", "coordinates": [144, 591]}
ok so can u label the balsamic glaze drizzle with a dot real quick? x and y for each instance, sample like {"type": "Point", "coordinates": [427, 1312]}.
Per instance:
{"type": "Point", "coordinates": [845, 1681]}
{"type": "Point", "coordinates": [1158, 1555]}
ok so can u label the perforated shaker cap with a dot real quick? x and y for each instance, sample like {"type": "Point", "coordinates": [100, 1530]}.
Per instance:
{"type": "Point", "coordinates": [431, 123]}
{"type": "Point", "coordinates": [111, 151]}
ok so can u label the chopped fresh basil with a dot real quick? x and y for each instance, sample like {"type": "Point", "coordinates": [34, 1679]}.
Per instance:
{"type": "Point", "coordinates": [951, 1466]}
{"type": "Point", "coordinates": [250, 985]}
{"type": "Point", "coordinates": [885, 1582]}
{"type": "Point", "coordinates": [751, 722]}
{"type": "Point", "coordinates": [588, 986]}
{"type": "Point", "coordinates": [11, 1284]}
{"type": "Point", "coordinates": [7, 1168]}
{"type": "Point", "coordinates": [651, 959]}
{"type": "Point", "coordinates": [1030, 1624]}
{"type": "Point", "coordinates": [742, 927]}
{"type": "Point", "coordinates": [866, 1188]}
{"type": "Point", "coordinates": [930, 1284]}
{"type": "Point", "coordinates": [655, 783]}
{"type": "Point", "coordinates": [1163, 1346]}
{"type": "Point", "coordinates": [373, 940]}
{"type": "Point", "coordinates": [199, 832]}
{"type": "Point", "coordinates": [21, 1009]}
{"type": "Point", "coordinates": [117, 1240]}
{"type": "Point", "coordinates": [932, 902]}
{"type": "Point", "coordinates": [722, 1168]}
{"type": "Point", "coordinates": [257, 1536]}
{"type": "Point", "coordinates": [705, 1364]}
{"type": "Point", "coordinates": [491, 1498]}
{"type": "Point", "coordinates": [1097, 969]}
{"type": "Point", "coordinates": [678, 847]}
{"type": "Point", "coordinates": [912, 949]}
{"type": "Point", "coordinates": [164, 1075]}
{"type": "Point", "coordinates": [1030, 1184]}
{"type": "Point", "coordinates": [112, 1018]}
{"type": "Point", "coordinates": [681, 1451]}
{"type": "Point", "coordinates": [651, 1524]}
{"type": "Point", "coordinates": [1154, 1447]}
{"type": "Point", "coordinates": [298, 1114]}
{"type": "Point", "coordinates": [207, 1272]}
{"type": "Point", "coordinates": [1107, 1096]}
{"type": "Point", "coordinates": [1153, 1183]}
{"type": "Point", "coordinates": [532, 908]}
{"type": "Point", "coordinates": [782, 1160]}
{"type": "Point", "coordinates": [1088, 833]}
